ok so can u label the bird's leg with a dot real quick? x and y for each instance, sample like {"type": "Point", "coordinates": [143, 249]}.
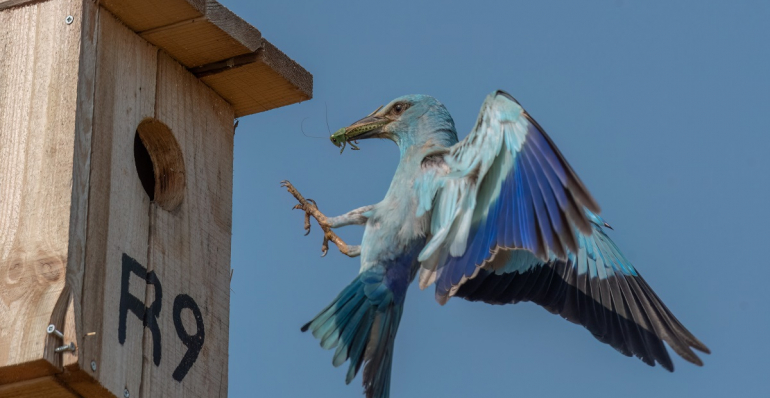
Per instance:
{"type": "Point", "coordinates": [311, 209]}
{"type": "Point", "coordinates": [353, 217]}
{"type": "Point", "coordinates": [354, 251]}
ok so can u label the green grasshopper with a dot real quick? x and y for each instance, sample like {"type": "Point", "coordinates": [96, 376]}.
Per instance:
{"type": "Point", "coordinates": [346, 135]}
{"type": "Point", "coordinates": [339, 138]}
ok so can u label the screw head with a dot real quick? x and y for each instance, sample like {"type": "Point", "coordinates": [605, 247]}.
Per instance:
{"type": "Point", "coordinates": [93, 366]}
{"type": "Point", "coordinates": [125, 393]}
{"type": "Point", "coordinates": [50, 328]}
{"type": "Point", "coordinates": [69, 19]}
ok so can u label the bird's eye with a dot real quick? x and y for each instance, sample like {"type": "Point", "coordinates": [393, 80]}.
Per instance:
{"type": "Point", "coordinates": [399, 108]}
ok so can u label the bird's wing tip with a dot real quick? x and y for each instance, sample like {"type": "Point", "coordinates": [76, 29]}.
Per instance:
{"type": "Point", "coordinates": [506, 95]}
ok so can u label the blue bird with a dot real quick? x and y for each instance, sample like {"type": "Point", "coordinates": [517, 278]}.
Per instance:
{"type": "Point", "coordinates": [499, 217]}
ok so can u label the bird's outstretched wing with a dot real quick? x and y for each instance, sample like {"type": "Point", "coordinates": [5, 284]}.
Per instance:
{"type": "Point", "coordinates": [506, 185]}
{"type": "Point", "coordinates": [512, 222]}
{"type": "Point", "coordinates": [596, 287]}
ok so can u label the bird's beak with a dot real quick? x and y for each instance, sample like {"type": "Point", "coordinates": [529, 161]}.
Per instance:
{"type": "Point", "coordinates": [368, 127]}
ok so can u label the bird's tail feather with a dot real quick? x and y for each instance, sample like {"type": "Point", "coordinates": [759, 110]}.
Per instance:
{"type": "Point", "coordinates": [363, 329]}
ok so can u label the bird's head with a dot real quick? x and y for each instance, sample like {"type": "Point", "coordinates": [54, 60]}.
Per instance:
{"type": "Point", "coordinates": [408, 120]}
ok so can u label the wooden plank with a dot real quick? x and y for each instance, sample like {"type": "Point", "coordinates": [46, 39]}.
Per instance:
{"type": "Point", "coordinates": [26, 371]}
{"type": "Point", "coordinates": [214, 37]}
{"type": "Point", "coordinates": [118, 207]}
{"type": "Point", "coordinates": [43, 387]}
{"type": "Point", "coordinates": [218, 35]}
{"type": "Point", "coordinates": [81, 169]}
{"type": "Point", "coordinates": [5, 4]}
{"type": "Point", "coordinates": [141, 15]}
{"type": "Point", "coordinates": [70, 334]}
{"type": "Point", "coordinates": [39, 55]}
{"type": "Point", "coordinates": [190, 246]}
{"type": "Point", "coordinates": [271, 81]}
{"type": "Point", "coordinates": [81, 383]}
{"type": "Point", "coordinates": [236, 27]}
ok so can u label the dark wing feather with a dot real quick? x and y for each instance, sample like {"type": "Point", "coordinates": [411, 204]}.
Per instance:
{"type": "Point", "coordinates": [614, 303]}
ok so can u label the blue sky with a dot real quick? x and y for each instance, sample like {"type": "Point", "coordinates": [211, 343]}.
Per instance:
{"type": "Point", "coordinates": [660, 107]}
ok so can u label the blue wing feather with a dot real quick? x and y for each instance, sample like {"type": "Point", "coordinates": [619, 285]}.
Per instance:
{"type": "Point", "coordinates": [542, 224]}
{"type": "Point", "coordinates": [505, 219]}
{"type": "Point", "coordinates": [551, 204]}
{"type": "Point", "coordinates": [552, 180]}
{"type": "Point", "coordinates": [505, 186]}
{"type": "Point", "coordinates": [528, 231]}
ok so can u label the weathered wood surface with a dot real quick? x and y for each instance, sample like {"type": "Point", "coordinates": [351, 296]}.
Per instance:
{"type": "Point", "coordinates": [219, 34]}
{"type": "Point", "coordinates": [242, 67]}
{"type": "Point", "coordinates": [39, 55]}
{"type": "Point", "coordinates": [272, 80]}
{"type": "Point", "coordinates": [142, 15]}
{"type": "Point", "coordinates": [190, 247]}
{"type": "Point", "coordinates": [42, 387]}
{"type": "Point", "coordinates": [72, 208]}
{"type": "Point", "coordinates": [167, 161]}
{"type": "Point", "coordinates": [118, 207]}
{"type": "Point", "coordinates": [194, 32]}
{"type": "Point", "coordinates": [186, 249]}
{"type": "Point", "coordinates": [5, 4]}
{"type": "Point", "coordinates": [81, 170]}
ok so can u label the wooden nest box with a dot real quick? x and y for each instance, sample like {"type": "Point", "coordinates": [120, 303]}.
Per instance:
{"type": "Point", "coordinates": [116, 167]}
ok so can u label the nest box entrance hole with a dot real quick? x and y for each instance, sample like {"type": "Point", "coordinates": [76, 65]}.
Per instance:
{"type": "Point", "coordinates": [159, 163]}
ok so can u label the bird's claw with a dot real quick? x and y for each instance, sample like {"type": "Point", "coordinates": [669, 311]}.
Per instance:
{"type": "Point", "coordinates": [324, 246]}
{"type": "Point", "coordinates": [310, 208]}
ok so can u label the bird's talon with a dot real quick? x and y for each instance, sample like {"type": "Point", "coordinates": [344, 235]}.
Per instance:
{"type": "Point", "coordinates": [307, 224]}
{"type": "Point", "coordinates": [310, 207]}
{"type": "Point", "coordinates": [324, 247]}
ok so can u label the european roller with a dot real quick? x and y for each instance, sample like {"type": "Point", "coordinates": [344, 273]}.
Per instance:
{"type": "Point", "coordinates": [499, 217]}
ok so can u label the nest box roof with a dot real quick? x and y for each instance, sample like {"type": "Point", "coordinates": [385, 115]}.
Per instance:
{"type": "Point", "coordinates": [221, 49]}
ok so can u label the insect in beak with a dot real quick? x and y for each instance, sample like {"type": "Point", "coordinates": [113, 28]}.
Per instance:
{"type": "Point", "coordinates": [364, 128]}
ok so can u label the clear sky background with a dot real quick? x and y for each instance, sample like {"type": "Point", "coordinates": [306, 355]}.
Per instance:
{"type": "Point", "coordinates": [663, 110]}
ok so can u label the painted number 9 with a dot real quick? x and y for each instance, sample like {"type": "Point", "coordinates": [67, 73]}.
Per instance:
{"type": "Point", "coordinates": [194, 343]}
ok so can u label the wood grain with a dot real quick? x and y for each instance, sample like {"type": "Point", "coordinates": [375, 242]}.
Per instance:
{"type": "Point", "coordinates": [142, 15]}
{"type": "Point", "coordinates": [71, 204]}
{"type": "Point", "coordinates": [190, 247]}
{"type": "Point", "coordinates": [5, 4]}
{"type": "Point", "coordinates": [167, 163]}
{"type": "Point", "coordinates": [118, 206]}
{"type": "Point", "coordinates": [217, 35]}
{"type": "Point", "coordinates": [205, 34]}
{"type": "Point", "coordinates": [39, 56]}
{"type": "Point", "coordinates": [81, 169]}
{"type": "Point", "coordinates": [271, 81]}
{"type": "Point", "coordinates": [42, 387]}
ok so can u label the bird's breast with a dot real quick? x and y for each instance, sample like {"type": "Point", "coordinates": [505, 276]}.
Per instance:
{"type": "Point", "coordinates": [393, 232]}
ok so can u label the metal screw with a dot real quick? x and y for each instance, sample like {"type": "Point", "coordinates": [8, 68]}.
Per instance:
{"type": "Point", "coordinates": [69, 347]}
{"type": "Point", "coordinates": [69, 19]}
{"type": "Point", "coordinates": [93, 366]}
{"type": "Point", "coordinates": [52, 330]}
{"type": "Point", "coordinates": [125, 393]}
